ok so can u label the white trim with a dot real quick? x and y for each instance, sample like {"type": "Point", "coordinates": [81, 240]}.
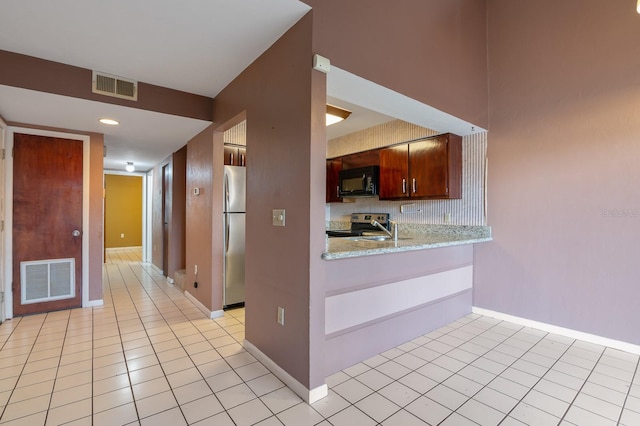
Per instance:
{"type": "Point", "coordinates": [203, 309]}
{"type": "Point", "coordinates": [567, 332]}
{"type": "Point", "coordinates": [147, 232]}
{"type": "Point", "coordinates": [3, 127]}
{"type": "Point", "coordinates": [347, 310]}
{"type": "Point", "coordinates": [86, 145]}
{"type": "Point", "coordinates": [94, 303]}
{"type": "Point", "coordinates": [309, 395]}
{"type": "Point", "coordinates": [156, 269]}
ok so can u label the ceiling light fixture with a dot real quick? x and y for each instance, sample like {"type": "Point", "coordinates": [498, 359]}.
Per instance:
{"type": "Point", "coordinates": [109, 121]}
{"type": "Point", "coordinates": [336, 114]}
{"type": "Point", "coordinates": [130, 167]}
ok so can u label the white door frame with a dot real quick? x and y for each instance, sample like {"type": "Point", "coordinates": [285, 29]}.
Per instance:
{"type": "Point", "coordinates": [8, 190]}
{"type": "Point", "coordinates": [147, 223]}
{"type": "Point", "coordinates": [3, 294]}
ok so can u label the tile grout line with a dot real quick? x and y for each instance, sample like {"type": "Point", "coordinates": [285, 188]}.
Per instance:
{"type": "Point", "coordinates": [540, 379]}
{"type": "Point", "coordinates": [183, 347]}
{"type": "Point", "coordinates": [635, 373]}
{"type": "Point", "coordinates": [15, 386]}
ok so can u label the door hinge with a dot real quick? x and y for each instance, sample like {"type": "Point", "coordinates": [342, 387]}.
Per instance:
{"type": "Point", "coordinates": [1, 225]}
{"type": "Point", "coordinates": [3, 153]}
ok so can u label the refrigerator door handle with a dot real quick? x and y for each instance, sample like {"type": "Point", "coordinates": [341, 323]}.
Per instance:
{"type": "Point", "coordinates": [226, 193]}
{"type": "Point", "coordinates": [226, 212]}
{"type": "Point", "coordinates": [226, 232]}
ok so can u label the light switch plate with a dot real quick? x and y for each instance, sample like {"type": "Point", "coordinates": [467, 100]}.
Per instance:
{"type": "Point", "coordinates": [278, 217]}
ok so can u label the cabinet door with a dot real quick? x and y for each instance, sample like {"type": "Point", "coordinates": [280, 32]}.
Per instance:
{"type": "Point", "coordinates": [429, 168]}
{"type": "Point", "coordinates": [334, 166]}
{"type": "Point", "coordinates": [242, 157]}
{"type": "Point", "coordinates": [234, 156]}
{"type": "Point", "coordinates": [230, 156]}
{"type": "Point", "coordinates": [394, 172]}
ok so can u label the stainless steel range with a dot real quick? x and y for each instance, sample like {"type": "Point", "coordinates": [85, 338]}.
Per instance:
{"type": "Point", "coordinates": [361, 225]}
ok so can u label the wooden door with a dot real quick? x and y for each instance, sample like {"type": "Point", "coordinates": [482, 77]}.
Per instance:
{"type": "Point", "coordinates": [394, 172]}
{"type": "Point", "coordinates": [47, 224]}
{"type": "Point", "coordinates": [429, 167]}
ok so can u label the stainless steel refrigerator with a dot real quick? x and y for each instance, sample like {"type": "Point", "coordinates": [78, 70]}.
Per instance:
{"type": "Point", "coordinates": [234, 232]}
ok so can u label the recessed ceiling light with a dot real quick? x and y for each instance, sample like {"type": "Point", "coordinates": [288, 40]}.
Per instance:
{"type": "Point", "coordinates": [109, 121]}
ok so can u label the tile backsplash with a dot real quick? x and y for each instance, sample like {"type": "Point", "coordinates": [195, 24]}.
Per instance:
{"type": "Point", "coordinates": [470, 210]}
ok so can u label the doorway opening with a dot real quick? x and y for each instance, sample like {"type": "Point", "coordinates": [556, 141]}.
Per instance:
{"type": "Point", "coordinates": [123, 210]}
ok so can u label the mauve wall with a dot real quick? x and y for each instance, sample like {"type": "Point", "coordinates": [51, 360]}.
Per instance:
{"type": "Point", "coordinates": [430, 50]}
{"type": "Point", "coordinates": [54, 77]}
{"type": "Point", "coordinates": [178, 211]}
{"type": "Point", "coordinates": [564, 192]}
{"type": "Point", "coordinates": [199, 226]}
{"type": "Point", "coordinates": [282, 173]}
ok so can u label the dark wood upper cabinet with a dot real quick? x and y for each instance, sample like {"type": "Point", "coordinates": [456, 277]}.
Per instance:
{"type": "Point", "coordinates": [334, 165]}
{"type": "Point", "coordinates": [432, 169]}
{"type": "Point", "coordinates": [394, 172]}
{"type": "Point", "coordinates": [235, 156]}
{"type": "Point", "coordinates": [361, 159]}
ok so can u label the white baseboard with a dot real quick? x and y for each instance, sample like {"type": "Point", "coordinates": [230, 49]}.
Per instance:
{"type": "Point", "coordinates": [156, 269]}
{"type": "Point", "coordinates": [93, 303]}
{"type": "Point", "coordinates": [567, 332]}
{"type": "Point", "coordinates": [203, 309]}
{"type": "Point", "coordinates": [309, 395]}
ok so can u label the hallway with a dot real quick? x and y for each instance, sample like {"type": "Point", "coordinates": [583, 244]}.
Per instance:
{"type": "Point", "coordinates": [150, 357]}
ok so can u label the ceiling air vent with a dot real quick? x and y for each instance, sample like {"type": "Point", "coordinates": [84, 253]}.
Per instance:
{"type": "Point", "coordinates": [112, 85]}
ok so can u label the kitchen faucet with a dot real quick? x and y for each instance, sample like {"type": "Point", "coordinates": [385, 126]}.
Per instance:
{"type": "Point", "coordinates": [394, 227]}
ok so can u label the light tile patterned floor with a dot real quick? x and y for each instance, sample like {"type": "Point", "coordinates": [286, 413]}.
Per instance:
{"type": "Point", "coordinates": [149, 357]}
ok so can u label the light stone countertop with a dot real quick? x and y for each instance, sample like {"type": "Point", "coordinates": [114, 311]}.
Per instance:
{"type": "Point", "coordinates": [410, 237]}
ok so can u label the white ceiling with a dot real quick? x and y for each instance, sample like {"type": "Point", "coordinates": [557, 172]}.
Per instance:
{"type": "Point", "coordinates": [197, 46]}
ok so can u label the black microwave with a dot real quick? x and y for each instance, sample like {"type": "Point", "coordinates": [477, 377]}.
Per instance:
{"type": "Point", "coordinates": [359, 182]}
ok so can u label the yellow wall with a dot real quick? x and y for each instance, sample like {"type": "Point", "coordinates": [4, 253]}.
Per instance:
{"type": "Point", "coordinates": [123, 211]}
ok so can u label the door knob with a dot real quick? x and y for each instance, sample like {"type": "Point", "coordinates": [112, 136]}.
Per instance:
{"type": "Point", "coordinates": [75, 233]}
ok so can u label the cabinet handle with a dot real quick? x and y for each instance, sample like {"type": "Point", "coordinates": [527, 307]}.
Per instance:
{"type": "Point", "coordinates": [414, 185]}
{"type": "Point", "coordinates": [242, 159]}
{"type": "Point", "coordinates": [404, 186]}
{"type": "Point", "coordinates": [337, 191]}
{"type": "Point", "coordinates": [231, 158]}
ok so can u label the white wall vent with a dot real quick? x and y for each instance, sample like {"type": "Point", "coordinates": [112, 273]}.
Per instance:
{"type": "Point", "coordinates": [112, 85]}
{"type": "Point", "coordinates": [47, 280]}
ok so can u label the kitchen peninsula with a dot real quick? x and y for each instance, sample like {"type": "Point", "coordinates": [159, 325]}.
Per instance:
{"type": "Point", "coordinates": [395, 291]}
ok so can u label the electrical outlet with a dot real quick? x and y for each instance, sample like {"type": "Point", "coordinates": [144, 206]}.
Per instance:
{"type": "Point", "coordinates": [278, 216]}
{"type": "Point", "coordinates": [447, 218]}
{"type": "Point", "coordinates": [280, 315]}
{"type": "Point", "coordinates": [121, 235]}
